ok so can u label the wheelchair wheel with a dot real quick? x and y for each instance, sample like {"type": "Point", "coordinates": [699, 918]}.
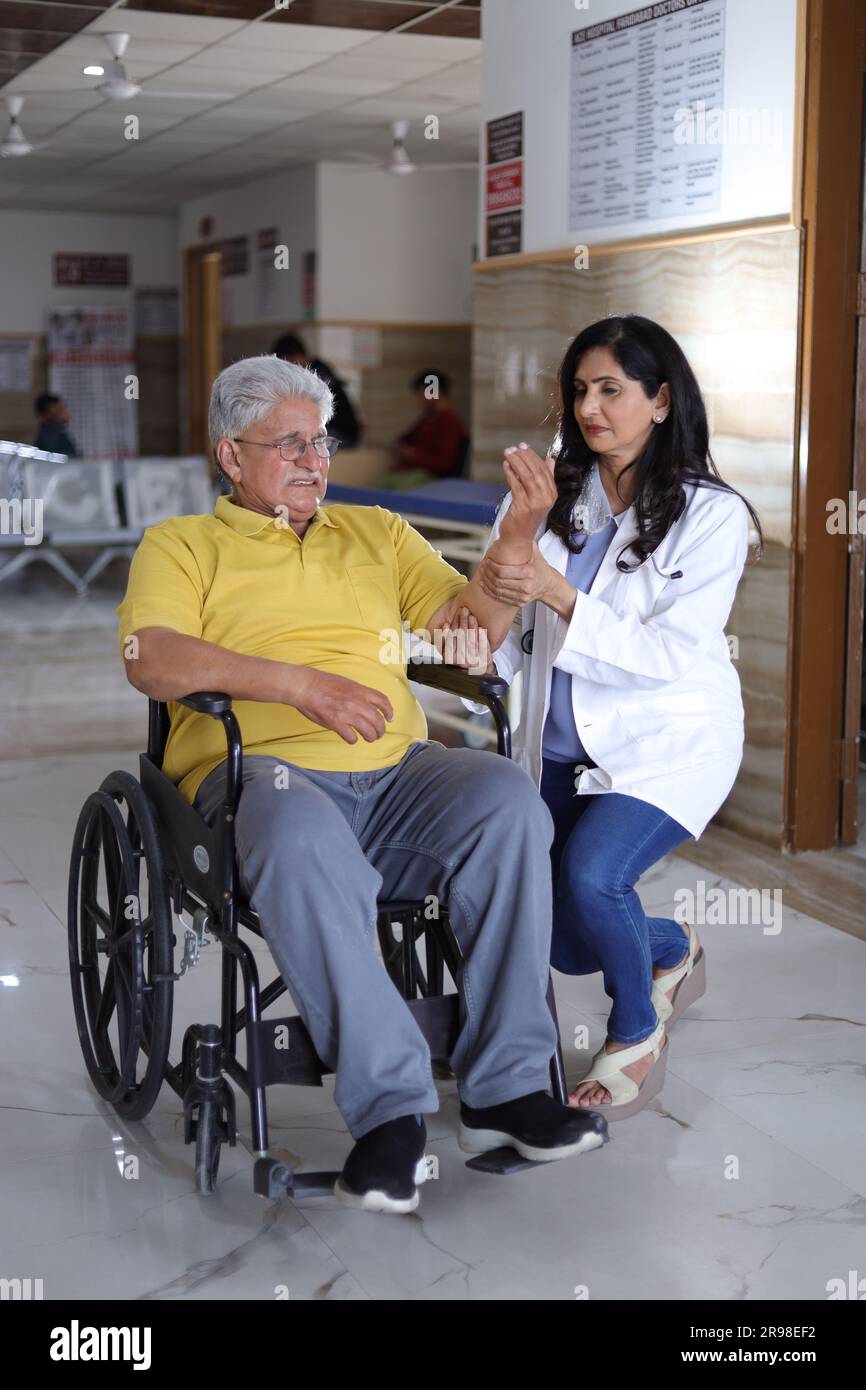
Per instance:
{"type": "Point", "coordinates": [121, 947]}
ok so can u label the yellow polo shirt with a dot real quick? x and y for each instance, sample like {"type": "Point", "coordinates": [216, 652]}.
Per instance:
{"type": "Point", "coordinates": [335, 601]}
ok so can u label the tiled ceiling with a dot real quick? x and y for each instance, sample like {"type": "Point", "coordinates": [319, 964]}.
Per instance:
{"type": "Point", "coordinates": [246, 90]}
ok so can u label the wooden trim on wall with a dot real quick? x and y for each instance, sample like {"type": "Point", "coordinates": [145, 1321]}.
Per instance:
{"type": "Point", "coordinates": [799, 112]}
{"type": "Point", "coordinates": [300, 326]}
{"type": "Point", "coordinates": [819, 560]}
{"type": "Point", "coordinates": [203, 288]}
{"type": "Point", "coordinates": [851, 749]}
{"type": "Point", "coordinates": [723, 232]}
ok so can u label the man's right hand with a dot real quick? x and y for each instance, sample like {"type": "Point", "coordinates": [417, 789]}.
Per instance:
{"type": "Point", "coordinates": [342, 705]}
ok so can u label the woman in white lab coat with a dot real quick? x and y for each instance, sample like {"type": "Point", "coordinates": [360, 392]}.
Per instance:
{"type": "Point", "coordinates": [622, 553]}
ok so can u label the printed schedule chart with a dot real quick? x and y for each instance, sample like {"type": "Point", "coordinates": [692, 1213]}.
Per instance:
{"type": "Point", "coordinates": [635, 155]}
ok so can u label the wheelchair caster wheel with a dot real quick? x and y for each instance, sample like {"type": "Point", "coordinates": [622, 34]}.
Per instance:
{"type": "Point", "coordinates": [208, 1141]}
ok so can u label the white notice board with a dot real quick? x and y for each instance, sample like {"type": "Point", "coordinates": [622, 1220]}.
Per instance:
{"type": "Point", "coordinates": [681, 115]}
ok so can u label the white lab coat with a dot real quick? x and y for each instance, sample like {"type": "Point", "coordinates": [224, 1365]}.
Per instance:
{"type": "Point", "coordinates": [656, 697]}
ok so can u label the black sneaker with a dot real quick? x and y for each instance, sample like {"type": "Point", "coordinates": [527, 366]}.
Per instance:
{"type": "Point", "coordinates": [385, 1166]}
{"type": "Point", "coordinates": [537, 1126]}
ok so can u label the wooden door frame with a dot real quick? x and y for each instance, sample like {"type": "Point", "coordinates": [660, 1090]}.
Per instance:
{"type": "Point", "coordinates": [820, 761]}
{"type": "Point", "coordinates": [202, 280]}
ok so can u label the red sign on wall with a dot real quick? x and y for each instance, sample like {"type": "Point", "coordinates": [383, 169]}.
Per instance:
{"type": "Point", "coordinates": [87, 268]}
{"type": "Point", "coordinates": [505, 186]}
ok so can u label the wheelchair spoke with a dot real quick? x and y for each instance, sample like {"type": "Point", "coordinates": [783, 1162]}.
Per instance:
{"type": "Point", "coordinates": [125, 938]}
{"type": "Point", "coordinates": [106, 1004]}
{"type": "Point", "coordinates": [99, 917]}
{"type": "Point", "coordinates": [112, 864]}
{"type": "Point", "coordinates": [123, 974]}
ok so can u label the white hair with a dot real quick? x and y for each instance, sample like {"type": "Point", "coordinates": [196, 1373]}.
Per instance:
{"type": "Point", "coordinates": [247, 390]}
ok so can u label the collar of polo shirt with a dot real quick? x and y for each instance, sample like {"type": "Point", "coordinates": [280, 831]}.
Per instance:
{"type": "Point", "coordinates": [249, 523]}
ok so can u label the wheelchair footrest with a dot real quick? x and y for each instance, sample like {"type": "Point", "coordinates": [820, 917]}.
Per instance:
{"type": "Point", "coordinates": [319, 1184]}
{"type": "Point", "coordinates": [273, 1179]}
{"type": "Point", "coordinates": [501, 1161]}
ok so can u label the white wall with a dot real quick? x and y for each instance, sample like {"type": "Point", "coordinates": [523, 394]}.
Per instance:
{"type": "Point", "coordinates": [395, 248]}
{"type": "Point", "coordinates": [285, 201]}
{"type": "Point", "coordinates": [28, 241]}
{"type": "Point", "coordinates": [527, 68]}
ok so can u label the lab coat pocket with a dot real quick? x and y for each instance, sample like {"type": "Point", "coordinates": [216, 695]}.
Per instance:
{"type": "Point", "coordinates": [679, 728]}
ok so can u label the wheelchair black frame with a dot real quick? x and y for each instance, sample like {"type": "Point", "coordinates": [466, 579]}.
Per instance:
{"type": "Point", "coordinates": [203, 874]}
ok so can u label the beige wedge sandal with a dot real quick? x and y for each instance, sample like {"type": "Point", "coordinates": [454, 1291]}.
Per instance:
{"type": "Point", "coordinates": [689, 981]}
{"type": "Point", "coordinates": [626, 1096]}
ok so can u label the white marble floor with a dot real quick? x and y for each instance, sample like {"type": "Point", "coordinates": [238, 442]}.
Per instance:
{"type": "Point", "coordinates": [745, 1180]}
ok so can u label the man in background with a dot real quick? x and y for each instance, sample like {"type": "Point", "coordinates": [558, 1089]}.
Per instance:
{"type": "Point", "coordinates": [344, 424]}
{"type": "Point", "coordinates": [52, 434]}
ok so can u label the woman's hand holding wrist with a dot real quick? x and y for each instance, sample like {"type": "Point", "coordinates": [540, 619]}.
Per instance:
{"type": "Point", "coordinates": [559, 595]}
{"type": "Point", "coordinates": [527, 581]}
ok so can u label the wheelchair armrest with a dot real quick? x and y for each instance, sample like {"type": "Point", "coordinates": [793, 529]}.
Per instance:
{"type": "Point", "coordinates": [457, 681]}
{"type": "Point", "coordinates": [208, 702]}
{"type": "Point", "coordinates": [219, 705]}
{"type": "Point", "coordinates": [485, 690]}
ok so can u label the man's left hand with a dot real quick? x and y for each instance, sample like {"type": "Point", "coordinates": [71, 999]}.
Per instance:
{"type": "Point", "coordinates": [463, 643]}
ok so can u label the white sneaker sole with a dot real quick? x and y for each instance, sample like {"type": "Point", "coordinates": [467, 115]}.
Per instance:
{"type": "Point", "coordinates": [477, 1141]}
{"type": "Point", "coordinates": [377, 1200]}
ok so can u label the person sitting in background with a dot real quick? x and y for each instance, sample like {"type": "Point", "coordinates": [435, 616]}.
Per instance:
{"type": "Point", "coordinates": [435, 444]}
{"type": "Point", "coordinates": [52, 434]}
{"type": "Point", "coordinates": [345, 424]}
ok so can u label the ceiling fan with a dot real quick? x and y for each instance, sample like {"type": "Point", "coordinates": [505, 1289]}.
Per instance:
{"type": "Point", "coordinates": [399, 160]}
{"type": "Point", "coordinates": [15, 143]}
{"type": "Point", "coordinates": [117, 85]}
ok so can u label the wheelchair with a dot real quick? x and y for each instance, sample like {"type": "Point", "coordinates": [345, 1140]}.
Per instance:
{"type": "Point", "coordinates": [143, 859]}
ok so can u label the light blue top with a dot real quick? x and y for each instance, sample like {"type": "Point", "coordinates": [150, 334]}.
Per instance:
{"type": "Point", "coordinates": [560, 739]}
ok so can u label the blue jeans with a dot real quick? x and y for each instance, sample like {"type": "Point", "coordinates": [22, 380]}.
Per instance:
{"type": "Point", "coordinates": [601, 846]}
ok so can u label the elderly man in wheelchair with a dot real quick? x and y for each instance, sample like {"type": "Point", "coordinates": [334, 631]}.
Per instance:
{"type": "Point", "coordinates": [330, 814]}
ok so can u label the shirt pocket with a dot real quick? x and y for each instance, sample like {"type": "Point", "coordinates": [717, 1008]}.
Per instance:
{"type": "Point", "coordinates": [376, 595]}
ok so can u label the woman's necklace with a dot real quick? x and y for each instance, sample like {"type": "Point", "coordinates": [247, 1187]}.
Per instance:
{"type": "Point", "coordinates": [592, 511]}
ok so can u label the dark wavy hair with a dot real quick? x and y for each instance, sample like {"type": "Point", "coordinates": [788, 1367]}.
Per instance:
{"type": "Point", "coordinates": [676, 452]}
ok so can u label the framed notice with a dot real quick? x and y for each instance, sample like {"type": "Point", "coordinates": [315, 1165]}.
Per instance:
{"type": "Point", "coordinates": [266, 271]}
{"type": "Point", "coordinates": [156, 311]}
{"type": "Point", "coordinates": [503, 191]}
{"type": "Point", "coordinates": [77, 268]}
{"type": "Point", "coordinates": [235, 255]}
{"type": "Point", "coordinates": [16, 364]}
{"type": "Point", "coordinates": [644, 86]}
{"type": "Point", "coordinates": [308, 285]}
{"type": "Point", "coordinates": [92, 366]}
{"type": "Point", "coordinates": [505, 234]}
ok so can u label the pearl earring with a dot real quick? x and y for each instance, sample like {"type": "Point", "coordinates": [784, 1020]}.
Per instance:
{"type": "Point", "coordinates": [658, 419]}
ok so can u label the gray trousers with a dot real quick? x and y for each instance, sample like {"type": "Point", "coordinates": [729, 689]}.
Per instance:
{"type": "Point", "coordinates": [315, 851]}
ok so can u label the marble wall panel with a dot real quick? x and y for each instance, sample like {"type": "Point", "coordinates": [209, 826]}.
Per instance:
{"type": "Point", "coordinates": [733, 307]}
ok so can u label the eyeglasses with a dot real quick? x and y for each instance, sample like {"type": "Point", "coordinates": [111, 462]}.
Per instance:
{"type": "Point", "coordinates": [293, 450]}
